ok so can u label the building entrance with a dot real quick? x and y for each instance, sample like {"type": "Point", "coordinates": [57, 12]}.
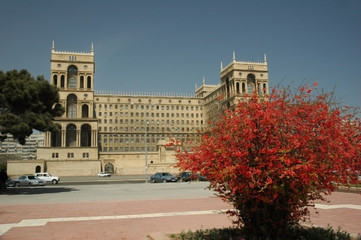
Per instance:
{"type": "Point", "coordinates": [109, 168]}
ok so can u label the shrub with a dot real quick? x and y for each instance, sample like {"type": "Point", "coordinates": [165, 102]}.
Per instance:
{"type": "Point", "coordinates": [272, 159]}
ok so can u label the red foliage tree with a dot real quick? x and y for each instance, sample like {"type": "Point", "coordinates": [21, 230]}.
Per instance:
{"type": "Point", "coordinates": [272, 159]}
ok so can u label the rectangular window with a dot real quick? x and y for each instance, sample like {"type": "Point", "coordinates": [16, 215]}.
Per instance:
{"type": "Point", "coordinates": [70, 155]}
{"type": "Point", "coordinates": [86, 155]}
{"type": "Point", "coordinates": [55, 155]}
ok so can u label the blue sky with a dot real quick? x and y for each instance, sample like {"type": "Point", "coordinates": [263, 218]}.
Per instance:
{"type": "Point", "coordinates": [169, 46]}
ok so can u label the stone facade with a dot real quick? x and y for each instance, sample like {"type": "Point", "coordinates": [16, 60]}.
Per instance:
{"type": "Point", "coordinates": [126, 133]}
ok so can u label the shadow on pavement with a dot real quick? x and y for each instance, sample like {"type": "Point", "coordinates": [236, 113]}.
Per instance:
{"type": "Point", "coordinates": [36, 190]}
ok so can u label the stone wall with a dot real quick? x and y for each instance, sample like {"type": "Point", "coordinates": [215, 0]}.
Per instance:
{"type": "Point", "coordinates": [16, 168]}
{"type": "Point", "coordinates": [73, 167]}
{"type": "Point", "coordinates": [115, 163]}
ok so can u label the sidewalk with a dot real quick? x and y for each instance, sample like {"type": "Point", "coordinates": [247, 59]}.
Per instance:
{"type": "Point", "coordinates": [111, 220]}
{"type": "Point", "coordinates": [148, 219]}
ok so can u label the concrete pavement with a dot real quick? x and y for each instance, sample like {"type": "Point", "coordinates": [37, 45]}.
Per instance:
{"type": "Point", "coordinates": [151, 215]}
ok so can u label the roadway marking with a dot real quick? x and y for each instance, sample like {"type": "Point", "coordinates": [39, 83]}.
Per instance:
{"type": "Point", "coordinates": [43, 221]}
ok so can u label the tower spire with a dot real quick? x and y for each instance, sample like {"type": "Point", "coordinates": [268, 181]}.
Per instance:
{"type": "Point", "coordinates": [92, 48]}
{"type": "Point", "coordinates": [234, 56]}
{"type": "Point", "coordinates": [221, 66]}
{"type": "Point", "coordinates": [265, 58]}
{"type": "Point", "coordinates": [53, 45]}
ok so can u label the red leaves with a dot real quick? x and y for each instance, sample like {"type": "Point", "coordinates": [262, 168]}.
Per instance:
{"type": "Point", "coordinates": [287, 149]}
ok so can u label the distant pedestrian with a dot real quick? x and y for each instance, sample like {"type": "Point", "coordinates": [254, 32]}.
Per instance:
{"type": "Point", "coordinates": [3, 179]}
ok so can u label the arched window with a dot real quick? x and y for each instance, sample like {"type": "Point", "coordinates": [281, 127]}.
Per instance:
{"type": "Point", "coordinates": [237, 87]}
{"type": "Point", "coordinates": [72, 82]}
{"type": "Point", "coordinates": [56, 139]}
{"type": "Point", "coordinates": [85, 111]}
{"type": "Point", "coordinates": [227, 88]}
{"type": "Point", "coordinates": [62, 81]}
{"type": "Point", "coordinates": [72, 76]}
{"type": "Point", "coordinates": [71, 135]}
{"type": "Point", "coordinates": [85, 140]}
{"type": "Point", "coordinates": [71, 106]}
{"type": "Point", "coordinates": [81, 81]}
{"type": "Point", "coordinates": [243, 87]}
{"type": "Point", "coordinates": [55, 80]}
{"type": "Point", "coordinates": [251, 83]}
{"type": "Point", "coordinates": [89, 82]}
{"type": "Point", "coordinates": [264, 88]}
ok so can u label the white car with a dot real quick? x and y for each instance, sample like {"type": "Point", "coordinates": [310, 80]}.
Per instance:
{"type": "Point", "coordinates": [104, 174]}
{"type": "Point", "coordinates": [48, 177]}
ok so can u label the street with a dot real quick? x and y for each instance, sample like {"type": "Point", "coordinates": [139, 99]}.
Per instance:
{"type": "Point", "coordinates": [62, 192]}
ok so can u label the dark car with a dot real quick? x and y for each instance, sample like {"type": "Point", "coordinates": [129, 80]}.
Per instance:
{"type": "Point", "coordinates": [162, 177]}
{"type": "Point", "coordinates": [190, 176]}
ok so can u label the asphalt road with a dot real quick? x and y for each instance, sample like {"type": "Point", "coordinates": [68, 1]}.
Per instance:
{"type": "Point", "coordinates": [103, 180]}
{"type": "Point", "coordinates": [106, 191]}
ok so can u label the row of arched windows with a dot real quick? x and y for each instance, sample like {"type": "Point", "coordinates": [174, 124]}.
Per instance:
{"type": "Point", "coordinates": [71, 81]}
{"type": "Point", "coordinates": [71, 136]}
{"type": "Point", "coordinates": [71, 107]}
{"type": "Point", "coordinates": [249, 86]}
{"type": "Point", "coordinates": [262, 88]}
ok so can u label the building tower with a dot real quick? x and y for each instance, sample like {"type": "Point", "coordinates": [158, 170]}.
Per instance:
{"type": "Point", "coordinates": [73, 74]}
{"type": "Point", "coordinates": [238, 81]}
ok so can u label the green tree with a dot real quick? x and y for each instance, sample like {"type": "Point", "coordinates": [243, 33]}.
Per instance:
{"type": "Point", "coordinates": [27, 103]}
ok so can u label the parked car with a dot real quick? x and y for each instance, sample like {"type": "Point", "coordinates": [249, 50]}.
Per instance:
{"type": "Point", "coordinates": [48, 177]}
{"type": "Point", "coordinates": [162, 177]}
{"type": "Point", "coordinates": [9, 183]}
{"type": "Point", "coordinates": [190, 176]}
{"type": "Point", "coordinates": [104, 174]}
{"type": "Point", "coordinates": [29, 180]}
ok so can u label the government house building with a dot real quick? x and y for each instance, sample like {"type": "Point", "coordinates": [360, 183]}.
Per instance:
{"type": "Point", "coordinates": [126, 133]}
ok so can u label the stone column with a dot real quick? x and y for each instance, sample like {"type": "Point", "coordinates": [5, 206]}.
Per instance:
{"type": "Point", "coordinates": [77, 142]}
{"type": "Point", "coordinates": [63, 138]}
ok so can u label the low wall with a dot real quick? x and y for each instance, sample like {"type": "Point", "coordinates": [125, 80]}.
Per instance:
{"type": "Point", "coordinates": [74, 167]}
{"type": "Point", "coordinates": [134, 163]}
{"type": "Point", "coordinates": [120, 164]}
{"type": "Point", "coordinates": [21, 167]}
